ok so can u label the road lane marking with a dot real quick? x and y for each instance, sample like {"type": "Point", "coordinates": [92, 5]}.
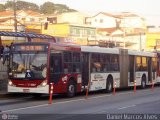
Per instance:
{"type": "Point", "coordinates": [24, 108]}
{"type": "Point", "coordinates": [17, 109]}
{"type": "Point", "coordinates": [69, 101]}
{"type": "Point", "coordinates": [126, 107]}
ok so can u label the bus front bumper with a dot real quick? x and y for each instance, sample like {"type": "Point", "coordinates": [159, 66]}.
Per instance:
{"type": "Point", "coordinates": [14, 89]}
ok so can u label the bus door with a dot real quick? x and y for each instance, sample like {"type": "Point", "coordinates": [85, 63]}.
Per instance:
{"type": "Point", "coordinates": [149, 69]}
{"type": "Point", "coordinates": [85, 69]}
{"type": "Point", "coordinates": [131, 68]}
{"type": "Point", "coordinates": [55, 66]}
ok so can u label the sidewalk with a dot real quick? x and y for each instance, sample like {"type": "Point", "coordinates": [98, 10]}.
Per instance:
{"type": "Point", "coordinates": [3, 94]}
{"type": "Point", "coordinates": [3, 88]}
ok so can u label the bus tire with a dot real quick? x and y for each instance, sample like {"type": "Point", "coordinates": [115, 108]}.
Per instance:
{"type": "Point", "coordinates": [143, 82]}
{"type": "Point", "coordinates": [71, 89]}
{"type": "Point", "coordinates": [109, 86]}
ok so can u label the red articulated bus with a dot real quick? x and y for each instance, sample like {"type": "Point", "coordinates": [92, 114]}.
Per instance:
{"type": "Point", "coordinates": [34, 65]}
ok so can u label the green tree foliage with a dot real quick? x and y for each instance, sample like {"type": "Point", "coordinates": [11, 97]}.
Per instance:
{"type": "Point", "coordinates": [9, 5]}
{"type": "Point", "coordinates": [60, 8]}
{"type": "Point", "coordinates": [47, 8]}
{"type": "Point", "coordinates": [2, 7]}
{"type": "Point", "coordinates": [51, 8]}
{"type": "Point", "coordinates": [22, 5]}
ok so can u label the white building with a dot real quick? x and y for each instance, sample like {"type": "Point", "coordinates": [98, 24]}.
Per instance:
{"type": "Point", "coordinates": [69, 17]}
{"type": "Point", "coordinates": [126, 29]}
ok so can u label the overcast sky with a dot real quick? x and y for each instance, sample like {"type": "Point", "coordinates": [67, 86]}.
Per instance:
{"type": "Point", "coordinates": [147, 8]}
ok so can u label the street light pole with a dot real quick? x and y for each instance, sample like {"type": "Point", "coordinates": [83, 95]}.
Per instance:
{"type": "Point", "coordinates": [15, 17]}
{"type": "Point", "coordinates": [140, 44]}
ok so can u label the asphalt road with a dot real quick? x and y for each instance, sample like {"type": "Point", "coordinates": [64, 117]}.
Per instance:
{"type": "Point", "coordinates": [143, 104]}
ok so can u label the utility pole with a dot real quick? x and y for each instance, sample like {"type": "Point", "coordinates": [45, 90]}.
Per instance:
{"type": "Point", "coordinates": [140, 42]}
{"type": "Point", "coordinates": [15, 17]}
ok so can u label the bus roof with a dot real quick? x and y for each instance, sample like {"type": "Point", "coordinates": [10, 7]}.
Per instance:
{"type": "Point", "coordinates": [69, 47]}
{"type": "Point", "coordinates": [141, 53]}
{"type": "Point", "coordinates": [98, 49]}
{"type": "Point", "coordinates": [92, 49]}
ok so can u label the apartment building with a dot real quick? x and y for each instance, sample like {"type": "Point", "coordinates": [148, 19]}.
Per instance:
{"type": "Point", "coordinates": [24, 18]}
{"type": "Point", "coordinates": [124, 29]}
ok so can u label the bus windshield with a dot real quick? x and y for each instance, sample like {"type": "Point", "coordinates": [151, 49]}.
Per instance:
{"type": "Point", "coordinates": [28, 65]}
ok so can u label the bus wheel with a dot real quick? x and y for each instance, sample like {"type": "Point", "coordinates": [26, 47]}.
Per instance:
{"type": "Point", "coordinates": [71, 89]}
{"type": "Point", "coordinates": [143, 82]}
{"type": "Point", "coordinates": [109, 87]}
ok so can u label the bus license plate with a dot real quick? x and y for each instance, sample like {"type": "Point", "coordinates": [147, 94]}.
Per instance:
{"type": "Point", "coordinates": [26, 90]}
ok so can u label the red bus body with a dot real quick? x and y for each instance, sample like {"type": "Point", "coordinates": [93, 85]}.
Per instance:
{"type": "Point", "coordinates": [35, 85]}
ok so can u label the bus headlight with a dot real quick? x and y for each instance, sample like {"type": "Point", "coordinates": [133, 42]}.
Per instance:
{"type": "Point", "coordinates": [43, 84]}
{"type": "Point", "coordinates": [10, 74]}
{"type": "Point", "coordinates": [64, 79]}
{"type": "Point", "coordinates": [10, 83]}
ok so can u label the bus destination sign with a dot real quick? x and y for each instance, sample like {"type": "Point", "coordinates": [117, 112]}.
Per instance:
{"type": "Point", "coordinates": [29, 48]}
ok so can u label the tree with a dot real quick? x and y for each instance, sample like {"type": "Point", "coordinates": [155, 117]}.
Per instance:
{"type": "Point", "coordinates": [22, 5]}
{"type": "Point", "coordinates": [47, 8]}
{"type": "Point", "coordinates": [2, 7]}
{"type": "Point", "coordinates": [60, 8]}
{"type": "Point", "coordinates": [51, 8]}
{"type": "Point", "coordinates": [9, 5]}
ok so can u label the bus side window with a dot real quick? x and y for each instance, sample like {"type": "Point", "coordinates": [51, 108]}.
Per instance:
{"type": "Point", "coordinates": [76, 62]}
{"type": "Point", "coordinates": [76, 67]}
{"type": "Point", "coordinates": [96, 65]}
{"type": "Point", "coordinates": [93, 64]}
{"type": "Point", "coordinates": [67, 57]}
{"type": "Point", "coordinates": [51, 64]}
{"type": "Point", "coordinates": [144, 64]}
{"type": "Point", "coordinates": [102, 62]}
{"type": "Point", "coordinates": [154, 64]}
{"type": "Point", "coordinates": [115, 63]}
{"type": "Point", "coordinates": [56, 63]}
{"type": "Point", "coordinates": [107, 63]}
{"type": "Point", "coordinates": [65, 68]}
{"type": "Point", "coordinates": [76, 57]}
{"type": "Point", "coordinates": [138, 64]}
